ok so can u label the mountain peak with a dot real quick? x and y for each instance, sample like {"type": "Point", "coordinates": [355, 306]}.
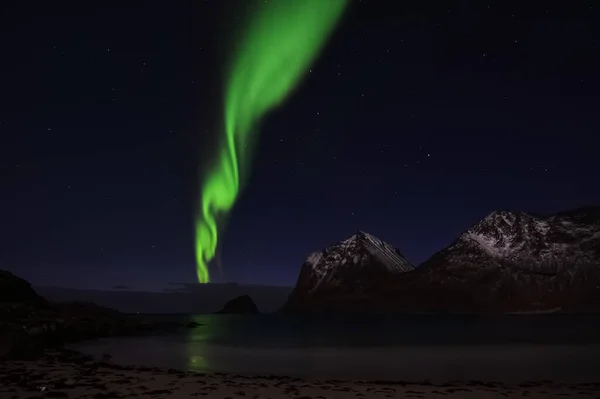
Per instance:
{"type": "Point", "coordinates": [358, 236]}
{"type": "Point", "coordinates": [365, 250]}
{"type": "Point", "coordinates": [506, 262]}
{"type": "Point", "coordinates": [348, 267]}
{"type": "Point", "coordinates": [528, 238]}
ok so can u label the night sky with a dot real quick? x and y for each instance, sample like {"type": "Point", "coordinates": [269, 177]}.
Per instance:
{"type": "Point", "coordinates": [417, 119]}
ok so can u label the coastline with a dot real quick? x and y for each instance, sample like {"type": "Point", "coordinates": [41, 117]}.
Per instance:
{"type": "Point", "coordinates": [66, 373]}
{"type": "Point", "coordinates": [510, 363]}
{"type": "Point", "coordinates": [35, 364]}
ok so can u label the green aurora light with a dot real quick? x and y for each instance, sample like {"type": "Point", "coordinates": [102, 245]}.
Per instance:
{"type": "Point", "coordinates": [281, 41]}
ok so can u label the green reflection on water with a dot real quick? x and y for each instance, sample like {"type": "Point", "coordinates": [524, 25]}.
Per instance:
{"type": "Point", "coordinates": [197, 340]}
{"type": "Point", "coordinates": [197, 363]}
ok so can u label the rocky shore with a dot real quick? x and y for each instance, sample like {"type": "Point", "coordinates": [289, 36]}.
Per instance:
{"type": "Point", "coordinates": [29, 324]}
{"type": "Point", "coordinates": [66, 374]}
{"type": "Point", "coordinates": [34, 364]}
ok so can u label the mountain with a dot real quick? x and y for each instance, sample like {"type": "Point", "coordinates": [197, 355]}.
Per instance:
{"type": "Point", "coordinates": [546, 244]}
{"type": "Point", "coordinates": [506, 262]}
{"type": "Point", "coordinates": [345, 270]}
{"type": "Point", "coordinates": [515, 261]}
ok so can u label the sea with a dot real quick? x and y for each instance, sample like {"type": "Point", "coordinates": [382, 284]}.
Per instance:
{"type": "Point", "coordinates": [507, 348]}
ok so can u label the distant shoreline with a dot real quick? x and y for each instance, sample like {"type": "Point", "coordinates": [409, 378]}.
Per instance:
{"type": "Point", "coordinates": [508, 362]}
{"type": "Point", "coordinates": [533, 312]}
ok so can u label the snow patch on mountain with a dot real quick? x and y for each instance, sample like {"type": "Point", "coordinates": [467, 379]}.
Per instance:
{"type": "Point", "coordinates": [350, 258]}
{"type": "Point", "coordinates": [524, 237]}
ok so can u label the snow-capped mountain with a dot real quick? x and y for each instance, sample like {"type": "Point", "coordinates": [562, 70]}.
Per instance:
{"type": "Point", "coordinates": [516, 261]}
{"type": "Point", "coordinates": [506, 262]}
{"type": "Point", "coordinates": [347, 268]}
{"type": "Point", "coordinates": [531, 242]}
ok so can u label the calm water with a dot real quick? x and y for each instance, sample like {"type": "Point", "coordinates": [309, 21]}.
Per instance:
{"type": "Point", "coordinates": [508, 348]}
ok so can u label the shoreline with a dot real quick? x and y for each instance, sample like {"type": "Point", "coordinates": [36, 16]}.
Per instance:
{"type": "Point", "coordinates": [508, 363]}
{"type": "Point", "coordinates": [69, 374]}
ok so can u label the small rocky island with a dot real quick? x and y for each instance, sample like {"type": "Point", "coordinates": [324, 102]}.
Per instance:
{"type": "Point", "coordinates": [240, 305]}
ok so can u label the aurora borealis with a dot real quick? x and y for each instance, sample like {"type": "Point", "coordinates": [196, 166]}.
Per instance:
{"type": "Point", "coordinates": [280, 42]}
{"type": "Point", "coordinates": [417, 119]}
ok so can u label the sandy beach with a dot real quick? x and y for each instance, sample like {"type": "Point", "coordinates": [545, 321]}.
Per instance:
{"type": "Point", "coordinates": [70, 376]}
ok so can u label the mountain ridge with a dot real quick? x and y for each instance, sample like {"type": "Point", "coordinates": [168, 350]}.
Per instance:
{"type": "Point", "coordinates": [508, 261]}
{"type": "Point", "coordinates": [347, 267]}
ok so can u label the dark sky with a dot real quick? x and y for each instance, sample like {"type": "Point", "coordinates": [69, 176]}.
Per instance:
{"type": "Point", "coordinates": [417, 120]}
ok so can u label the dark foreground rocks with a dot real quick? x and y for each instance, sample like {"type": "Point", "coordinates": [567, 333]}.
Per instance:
{"type": "Point", "coordinates": [17, 290]}
{"type": "Point", "coordinates": [29, 324]}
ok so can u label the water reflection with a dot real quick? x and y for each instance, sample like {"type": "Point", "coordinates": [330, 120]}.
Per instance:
{"type": "Point", "coordinates": [197, 339]}
{"type": "Point", "coordinates": [197, 363]}
{"type": "Point", "coordinates": [407, 348]}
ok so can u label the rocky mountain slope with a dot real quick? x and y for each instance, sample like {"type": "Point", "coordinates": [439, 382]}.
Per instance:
{"type": "Point", "coordinates": [345, 269]}
{"type": "Point", "coordinates": [506, 262]}
{"type": "Point", "coordinates": [516, 261]}
{"type": "Point", "coordinates": [532, 242]}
